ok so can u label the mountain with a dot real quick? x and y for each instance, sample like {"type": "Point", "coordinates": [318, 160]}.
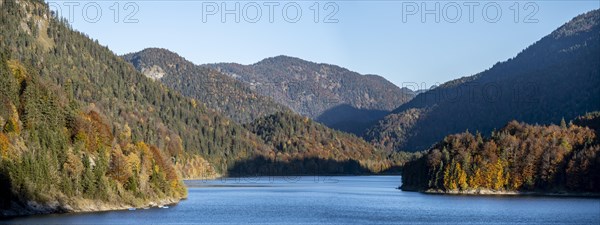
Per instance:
{"type": "Point", "coordinates": [216, 90]}
{"type": "Point", "coordinates": [556, 77]}
{"type": "Point", "coordinates": [335, 96]}
{"type": "Point", "coordinates": [76, 116]}
{"type": "Point", "coordinates": [518, 157]}
{"type": "Point", "coordinates": [82, 130]}
{"type": "Point", "coordinates": [300, 144]}
{"type": "Point", "coordinates": [188, 131]}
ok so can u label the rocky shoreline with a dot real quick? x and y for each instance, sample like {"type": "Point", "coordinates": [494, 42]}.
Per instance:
{"type": "Point", "coordinates": [82, 206]}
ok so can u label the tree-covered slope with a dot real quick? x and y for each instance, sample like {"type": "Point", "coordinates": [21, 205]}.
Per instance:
{"type": "Point", "coordinates": [519, 157]}
{"type": "Point", "coordinates": [335, 96]}
{"type": "Point", "coordinates": [58, 156]}
{"type": "Point", "coordinates": [298, 142]}
{"type": "Point", "coordinates": [187, 131]}
{"type": "Point", "coordinates": [196, 140]}
{"type": "Point", "coordinates": [558, 76]}
{"type": "Point", "coordinates": [311, 147]}
{"type": "Point", "coordinates": [217, 91]}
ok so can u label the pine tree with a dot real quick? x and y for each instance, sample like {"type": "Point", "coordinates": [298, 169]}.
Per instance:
{"type": "Point", "coordinates": [563, 124]}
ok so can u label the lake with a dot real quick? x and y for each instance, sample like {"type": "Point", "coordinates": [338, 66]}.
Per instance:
{"type": "Point", "coordinates": [337, 200]}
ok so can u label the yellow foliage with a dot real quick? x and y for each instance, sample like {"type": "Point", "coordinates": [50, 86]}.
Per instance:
{"type": "Point", "coordinates": [4, 145]}
{"type": "Point", "coordinates": [145, 155]}
{"type": "Point", "coordinates": [17, 69]}
{"type": "Point", "coordinates": [133, 161]}
{"type": "Point", "coordinates": [81, 136]}
{"type": "Point", "coordinates": [143, 149]}
{"type": "Point", "coordinates": [499, 177]}
{"type": "Point", "coordinates": [449, 182]}
{"type": "Point", "coordinates": [174, 184]}
{"type": "Point", "coordinates": [12, 125]}
{"type": "Point", "coordinates": [128, 148]}
{"type": "Point", "coordinates": [73, 166]}
{"type": "Point", "coordinates": [476, 180]}
{"type": "Point", "coordinates": [125, 135]}
{"type": "Point", "coordinates": [462, 177]}
{"type": "Point", "coordinates": [195, 167]}
{"type": "Point", "coordinates": [119, 166]}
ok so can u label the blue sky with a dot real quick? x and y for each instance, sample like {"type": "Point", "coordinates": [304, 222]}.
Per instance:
{"type": "Point", "coordinates": [388, 38]}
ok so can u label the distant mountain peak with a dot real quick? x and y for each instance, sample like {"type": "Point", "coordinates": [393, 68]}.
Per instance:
{"type": "Point", "coordinates": [318, 90]}
{"type": "Point", "coordinates": [163, 52]}
{"type": "Point", "coordinates": [217, 91]}
{"type": "Point", "coordinates": [282, 59]}
{"type": "Point", "coordinates": [285, 57]}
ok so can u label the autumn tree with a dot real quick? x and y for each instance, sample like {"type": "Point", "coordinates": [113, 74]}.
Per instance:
{"type": "Point", "coordinates": [519, 157]}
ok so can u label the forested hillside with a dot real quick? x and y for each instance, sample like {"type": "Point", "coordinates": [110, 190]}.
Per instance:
{"type": "Point", "coordinates": [335, 96]}
{"type": "Point", "coordinates": [217, 91]}
{"type": "Point", "coordinates": [519, 157]}
{"type": "Point", "coordinates": [80, 123]}
{"type": "Point", "coordinates": [187, 131]}
{"type": "Point", "coordinates": [307, 147]}
{"type": "Point", "coordinates": [558, 76]}
{"type": "Point", "coordinates": [300, 144]}
{"type": "Point", "coordinates": [82, 130]}
{"type": "Point", "coordinates": [57, 155]}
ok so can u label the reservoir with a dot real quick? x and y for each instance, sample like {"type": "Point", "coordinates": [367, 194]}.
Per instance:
{"type": "Point", "coordinates": [337, 200]}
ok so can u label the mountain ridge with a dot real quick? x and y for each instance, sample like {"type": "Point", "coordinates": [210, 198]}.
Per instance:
{"type": "Point", "coordinates": [519, 88]}
{"type": "Point", "coordinates": [284, 127]}
{"type": "Point", "coordinates": [217, 91]}
{"type": "Point", "coordinates": [311, 89]}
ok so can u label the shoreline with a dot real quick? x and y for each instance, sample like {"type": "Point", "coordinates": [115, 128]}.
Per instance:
{"type": "Point", "coordinates": [88, 206]}
{"type": "Point", "coordinates": [487, 192]}
{"type": "Point", "coordinates": [295, 175]}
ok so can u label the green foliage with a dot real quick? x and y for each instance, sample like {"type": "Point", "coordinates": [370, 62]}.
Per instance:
{"type": "Point", "coordinates": [8, 84]}
{"type": "Point", "coordinates": [394, 130]}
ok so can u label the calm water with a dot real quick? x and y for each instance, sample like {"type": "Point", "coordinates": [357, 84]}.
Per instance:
{"type": "Point", "coordinates": [337, 200]}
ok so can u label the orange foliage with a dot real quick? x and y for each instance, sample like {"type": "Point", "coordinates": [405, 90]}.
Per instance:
{"type": "Point", "coordinates": [163, 164]}
{"type": "Point", "coordinates": [118, 166]}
